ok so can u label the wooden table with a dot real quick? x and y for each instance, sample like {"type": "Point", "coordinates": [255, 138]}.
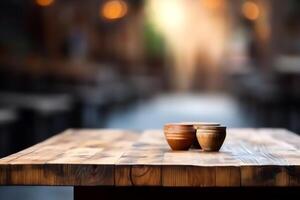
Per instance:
{"type": "Point", "coordinates": [107, 159]}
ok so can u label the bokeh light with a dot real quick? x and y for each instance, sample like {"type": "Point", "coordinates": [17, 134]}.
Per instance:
{"type": "Point", "coordinates": [192, 35]}
{"type": "Point", "coordinates": [250, 10]}
{"type": "Point", "coordinates": [113, 9]}
{"type": "Point", "coordinates": [44, 3]}
{"type": "Point", "coordinates": [212, 4]}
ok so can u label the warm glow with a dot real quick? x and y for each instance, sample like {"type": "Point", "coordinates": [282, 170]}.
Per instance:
{"type": "Point", "coordinates": [212, 4]}
{"type": "Point", "coordinates": [44, 3]}
{"type": "Point", "coordinates": [170, 14]}
{"type": "Point", "coordinates": [193, 36]}
{"type": "Point", "coordinates": [250, 10]}
{"type": "Point", "coordinates": [114, 9]}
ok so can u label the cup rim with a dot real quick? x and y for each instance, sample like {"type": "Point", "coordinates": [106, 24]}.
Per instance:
{"type": "Point", "coordinates": [211, 128]}
{"type": "Point", "coordinates": [211, 132]}
{"type": "Point", "coordinates": [179, 129]}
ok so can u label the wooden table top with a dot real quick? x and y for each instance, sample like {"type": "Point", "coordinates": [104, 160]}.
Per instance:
{"type": "Point", "coordinates": [249, 157]}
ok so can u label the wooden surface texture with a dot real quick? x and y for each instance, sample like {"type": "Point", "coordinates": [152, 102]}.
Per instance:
{"type": "Point", "coordinates": [249, 157]}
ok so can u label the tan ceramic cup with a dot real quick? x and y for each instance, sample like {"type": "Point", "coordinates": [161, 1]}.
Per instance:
{"type": "Point", "coordinates": [197, 125]}
{"type": "Point", "coordinates": [211, 138]}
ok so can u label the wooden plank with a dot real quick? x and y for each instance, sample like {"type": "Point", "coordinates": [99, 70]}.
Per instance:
{"type": "Point", "coordinates": [77, 157]}
{"type": "Point", "coordinates": [249, 157]}
{"type": "Point", "coordinates": [138, 175]}
{"type": "Point", "coordinates": [206, 169]}
{"type": "Point", "coordinates": [289, 150]}
{"type": "Point", "coordinates": [262, 156]}
{"type": "Point", "coordinates": [151, 151]}
{"type": "Point", "coordinates": [191, 176]}
{"type": "Point", "coordinates": [294, 175]}
{"type": "Point", "coordinates": [228, 176]}
{"type": "Point", "coordinates": [141, 164]}
{"type": "Point", "coordinates": [3, 174]}
{"type": "Point", "coordinates": [29, 150]}
{"type": "Point", "coordinates": [288, 138]}
{"type": "Point", "coordinates": [264, 176]}
{"type": "Point", "coordinates": [72, 175]}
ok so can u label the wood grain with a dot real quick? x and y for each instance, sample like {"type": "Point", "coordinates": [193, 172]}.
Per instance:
{"type": "Point", "coordinates": [189, 176]}
{"type": "Point", "coordinates": [137, 175]}
{"type": "Point", "coordinates": [264, 157]}
{"type": "Point", "coordinates": [249, 157]}
{"type": "Point", "coordinates": [228, 176]}
{"type": "Point", "coordinates": [141, 164]}
{"type": "Point", "coordinates": [75, 157]}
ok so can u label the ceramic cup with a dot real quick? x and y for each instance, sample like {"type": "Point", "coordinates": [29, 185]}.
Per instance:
{"type": "Point", "coordinates": [211, 138]}
{"type": "Point", "coordinates": [197, 125]}
{"type": "Point", "coordinates": [179, 136]}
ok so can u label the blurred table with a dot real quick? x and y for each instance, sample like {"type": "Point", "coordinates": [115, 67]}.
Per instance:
{"type": "Point", "coordinates": [40, 115]}
{"type": "Point", "coordinates": [288, 65]}
{"type": "Point", "coordinates": [44, 103]}
{"type": "Point", "coordinates": [61, 69]}
{"type": "Point", "coordinates": [114, 162]}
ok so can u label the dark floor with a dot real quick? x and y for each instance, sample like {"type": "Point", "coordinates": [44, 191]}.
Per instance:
{"type": "Point", "coordinates": [152, 113]}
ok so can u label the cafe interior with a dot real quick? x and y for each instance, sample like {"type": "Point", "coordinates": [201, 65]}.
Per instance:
{"type": "Point", "coordinates": [138, 64]}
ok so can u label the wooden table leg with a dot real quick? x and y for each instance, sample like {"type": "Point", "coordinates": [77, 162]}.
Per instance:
{"type": "Point", "coordinates": [183, 193]}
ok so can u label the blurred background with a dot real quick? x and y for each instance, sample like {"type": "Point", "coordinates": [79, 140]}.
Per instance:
{"type": "Point", "coordinates": [137, 64]}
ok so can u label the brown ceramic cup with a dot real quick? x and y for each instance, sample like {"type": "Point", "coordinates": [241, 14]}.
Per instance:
{"type": "Point", "coordinates": [197, 125]}
{"type": "Point", "coordinates": [211, 138]}
{"type": "Point", "coordinates": [179, 136]}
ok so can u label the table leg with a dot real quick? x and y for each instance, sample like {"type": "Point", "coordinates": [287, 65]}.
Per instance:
{"type": "Point", "coordinates": [183, 193]}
